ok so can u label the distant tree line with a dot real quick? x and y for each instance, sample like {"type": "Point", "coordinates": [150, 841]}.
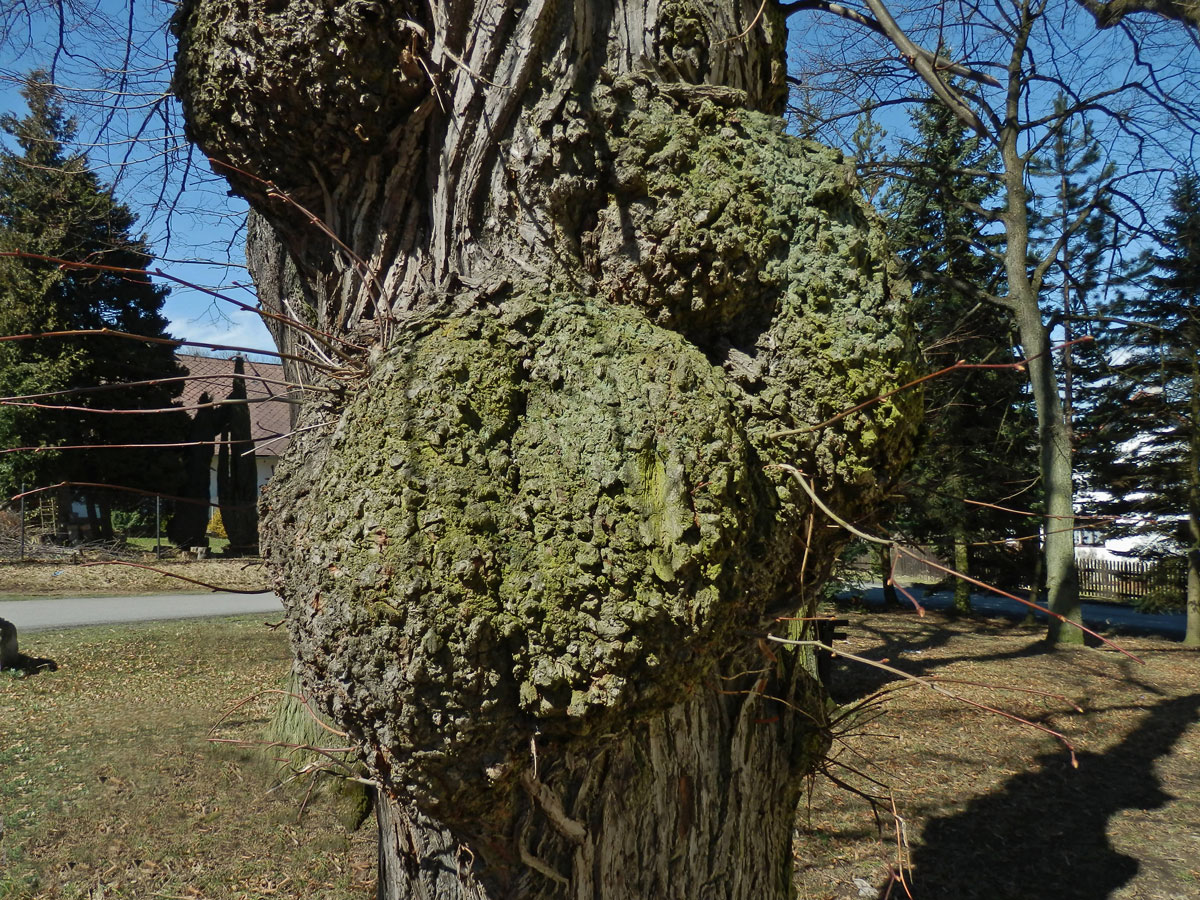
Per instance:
{"type": "Point", "coordinates": [73, 263]}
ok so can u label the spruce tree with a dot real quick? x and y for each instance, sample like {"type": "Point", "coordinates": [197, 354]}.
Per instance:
{"type": "Point", "coordinates": [1146, 459]}
{"type": "Point", "coordinates": [1075, 191]}
{"type": "Point", "coordinates": [977, 435]}
{"type": "Point", "coordinates": [53, 205]}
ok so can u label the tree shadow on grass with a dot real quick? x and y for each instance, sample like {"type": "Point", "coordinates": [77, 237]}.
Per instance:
{"type": "Point", "coordinates": [23, 666]}
{"type": "Point", "coordinates": [853, 680]}
{"type": "Point", "coordinates": [1044, 833]}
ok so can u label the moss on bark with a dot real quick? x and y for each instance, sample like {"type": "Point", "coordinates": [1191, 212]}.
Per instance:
{"type": "Point", "coordinates": [554, 512]}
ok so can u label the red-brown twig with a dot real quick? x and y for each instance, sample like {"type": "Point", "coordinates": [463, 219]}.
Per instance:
{"type": "Point", "coordinates": [128, 490]}
{"type": "Point", "coordinates": [897, 875]}
{"type": "Point", "coordinates": [857, 532]}
{"type": "Point", "coordinates": [172, 342]}
{"type": "Point", "coordinates": [273, 190]}
{"type": "Point", "coordinates": [927, 683]}
{"type": "Point", "coordinates": [173, 445]}
{"type": "Point", "coordinates": [214, 587]}
{"type": "Point", "coordinates": [1027, 603]}
{"type": "Point", "coordinates": [1007, 687]}
{"type": "Point", "coordinates": [106, 410]}
{"type": "Point", "coordinates": [144, 273]}
{"type": "Point", "coordinates": [303, 701]}
{"type": "Point", "coordinates": [155, 382]}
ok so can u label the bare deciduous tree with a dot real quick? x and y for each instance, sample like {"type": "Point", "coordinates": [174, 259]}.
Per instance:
{"type": "Point", "coordinates": [1017, 72]}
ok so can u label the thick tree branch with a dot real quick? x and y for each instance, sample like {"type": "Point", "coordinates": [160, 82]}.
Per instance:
{"type": "Point", "coordinates": [921, 63]}
{"type": "Point", "coordinates": [853, 15]}
{"type": "Point", "coordinates": [1111, 13]}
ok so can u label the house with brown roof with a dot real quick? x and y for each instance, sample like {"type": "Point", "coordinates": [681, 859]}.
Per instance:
{"type": "Point", "coordinates": [267, 395]}
{"type": "Point", "coordinates": [207, 400]}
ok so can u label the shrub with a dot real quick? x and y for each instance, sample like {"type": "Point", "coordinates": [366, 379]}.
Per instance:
{"type": "Point", "coordinates": [216, 527]}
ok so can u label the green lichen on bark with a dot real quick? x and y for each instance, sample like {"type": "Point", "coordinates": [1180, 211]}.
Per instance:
{"type": "Point", "coordinates": [287, 93]}
{"type": "Point", "coordinates": [765, 255]}
{"type": "Point", "coordinates": [561, 522]}
{"type": "Point", "coordinates": [554, 512]}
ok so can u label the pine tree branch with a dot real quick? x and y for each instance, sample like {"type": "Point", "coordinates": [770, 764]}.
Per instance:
{"type": "Point", "coordinates": [966, 287]}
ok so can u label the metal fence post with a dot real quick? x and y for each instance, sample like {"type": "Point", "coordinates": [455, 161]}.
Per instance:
{"type": "Point", "coordinates": [22, 521]}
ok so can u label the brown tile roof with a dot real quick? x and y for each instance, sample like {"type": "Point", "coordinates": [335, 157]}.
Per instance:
{"type": "Point", "coordinates": [268, 419]}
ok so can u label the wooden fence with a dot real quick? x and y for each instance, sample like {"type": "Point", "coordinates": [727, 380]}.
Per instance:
{"type": "Point", "coordinates": [1159, 583]}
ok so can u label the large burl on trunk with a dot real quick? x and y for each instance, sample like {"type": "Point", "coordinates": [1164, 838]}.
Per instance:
{"type": "Point", "coordinates": [533, 549]}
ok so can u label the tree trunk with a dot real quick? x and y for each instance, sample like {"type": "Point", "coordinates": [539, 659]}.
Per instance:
{"type": "Point", "coordinates": [698, 801]}
{"type": "Point", "coordinates": [1058, 543]}
{"type": "Point", "coordinates": [887, 567]}
{"type": "Point", "coordinates": [962, 587]}
{"type": "Point", "coordinates": [576, 297]}
{"type": "Point", "coordinates": [1192, 635]}
{"type": "Point", "coordinates": [1054, 437]}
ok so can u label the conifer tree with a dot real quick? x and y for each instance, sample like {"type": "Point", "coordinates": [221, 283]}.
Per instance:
{"type": "Point", "coordinates": [1147, 424]}
{"type": "Point", "coordinates": [53, 205]}
{"type": "Point", "coordinates": [977, 442]}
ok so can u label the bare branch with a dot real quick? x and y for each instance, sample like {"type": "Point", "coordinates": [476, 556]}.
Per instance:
{"type": "Point", "coordinates": [1110, 13]}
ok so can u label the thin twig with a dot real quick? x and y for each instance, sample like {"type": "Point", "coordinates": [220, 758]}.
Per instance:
{"type": "Point", "coordinates": [798, 475]}
{"type": "Point", "coordinates": [215, 587]}
{"type": "Point", "coordinates": [960, 365]}
{"type": "Point", "coordinates": [303, 700]}
{"type": "Point", "coordinates": [749, 28]}
{"type": "Point", "coordinates": [286, 321]}
{"type": "Point", "coordinates": [106, 410]}
{"type": "Point", "coordinates": [128, 490]}
{"type": "Point", "coordinates": [171, 342]}
{"type": "Point", "coordinates": [1034, 606]}
{"type": "Point", "coordinates": [49, 448]}
{"type": "Point", "coordinates": [155, 382]}
{"type": "Point", "coordinates": [925, 682]}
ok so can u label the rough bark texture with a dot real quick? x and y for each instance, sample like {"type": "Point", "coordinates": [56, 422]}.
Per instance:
{"type": "Point", "coordinates": [532, 550]}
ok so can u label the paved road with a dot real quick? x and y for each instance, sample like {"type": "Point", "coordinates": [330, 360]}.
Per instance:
{"type": "Point", "coordinates": [65, 612]}
{"type": "Point", "coordinates": [1101, 617]}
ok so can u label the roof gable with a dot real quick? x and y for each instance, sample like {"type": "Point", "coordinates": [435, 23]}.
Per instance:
{"type": "Point", "coordinates": [266, 388]}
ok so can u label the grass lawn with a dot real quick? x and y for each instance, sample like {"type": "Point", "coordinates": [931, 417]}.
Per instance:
{"type": "Point", "coordinates": [992, 809]}
{"type": "Point", "coordinates": [109, 787]}
{"type": "Point", "coordinates": [105, 577]}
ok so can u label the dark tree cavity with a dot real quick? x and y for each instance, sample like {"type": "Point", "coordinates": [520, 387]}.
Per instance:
{"type": "Point", "coordinates": [533, 555]}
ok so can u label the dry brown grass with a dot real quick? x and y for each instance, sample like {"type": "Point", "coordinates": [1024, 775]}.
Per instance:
{"type": "Point", "coordinates": [63, 578]}
{"type": "Point", "coordinates": [110, 789]}
{"type": "Point", "coordinates": [993, 809]}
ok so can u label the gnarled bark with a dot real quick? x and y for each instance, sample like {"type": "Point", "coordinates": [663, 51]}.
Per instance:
{"type": "Point", "coordinates": [532, 556]}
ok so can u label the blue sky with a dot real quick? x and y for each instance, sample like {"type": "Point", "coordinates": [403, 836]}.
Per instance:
{"type": "Point", "coordinates": [193, 226]}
